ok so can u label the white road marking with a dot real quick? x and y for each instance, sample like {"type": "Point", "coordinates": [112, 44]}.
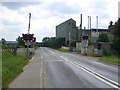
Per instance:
{"type": "Point", "coordinates": [32, 58]}
{"type": "Point", "coordinates": [64, 58]}
{"type": "Point", "coordinates": [52, 52]}
{"type": "Point", "coordinates": [41, 57]}
{"type": "Point", "coordinates": [98, 76]}
{"type": "Point", "coordinates": [52, 60]}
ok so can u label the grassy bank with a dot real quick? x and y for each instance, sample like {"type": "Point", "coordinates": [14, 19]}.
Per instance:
{"type": "Point", "coordinates": [11, 67]}
{"type": "Point", "coordinates": [63, 50]}
{"type": "Point", "coordinates": [112, 59]}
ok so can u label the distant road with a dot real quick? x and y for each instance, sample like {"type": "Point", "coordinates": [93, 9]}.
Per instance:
{"type": "Point", "coordinates": [50, 68]}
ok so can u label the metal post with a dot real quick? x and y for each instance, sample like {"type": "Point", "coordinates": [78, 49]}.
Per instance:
{"type": "Point", "coordinates": [29, 23]}
{"type": "Point", "coordinates": [28, 33]}
{"type": "Point", "coordinates": [88, 22]}
{"type": "Point", "coordinates": [27, 43]}
{"type": "Point", "coordinates": [81, 21]}
{"type": "Point", "coordinates": [97, 23]}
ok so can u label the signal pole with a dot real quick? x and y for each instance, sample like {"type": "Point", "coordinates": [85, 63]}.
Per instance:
{"type": "Point", "coordinates": [28, 43]}
{"type": "Point", "coordinates": [29, 23]}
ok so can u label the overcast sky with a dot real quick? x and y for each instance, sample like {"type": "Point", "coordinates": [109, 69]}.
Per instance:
{"type": "Point", "coordinates": [47, 14]}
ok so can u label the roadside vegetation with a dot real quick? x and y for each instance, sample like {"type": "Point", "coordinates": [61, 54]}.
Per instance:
{"type": "Point", "coordinates": [11, 64]}
{"type": "Point", "coordinates": [63, 50]}
{"type": "Point", "coordinates": [112, 59]}
{"type": "Point", "coordinates": [11, 67]}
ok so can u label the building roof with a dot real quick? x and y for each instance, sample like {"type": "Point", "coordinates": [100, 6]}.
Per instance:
{"type": "Point", "coordinates": [67, 21]}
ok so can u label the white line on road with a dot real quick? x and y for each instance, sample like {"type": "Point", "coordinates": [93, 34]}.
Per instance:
{"type": "Point", "coordinates": [64, 58]}
{"type": "Point", "coordinates": [41, 57]}
{"type": "Point", "coordinates": [52, 60]}
{"type": "Point", "coordinates": [32, 58]}
{"type": "Point", "coordinates": [98, 76]}
{"type": "Point", "coordinates": [52, 52]}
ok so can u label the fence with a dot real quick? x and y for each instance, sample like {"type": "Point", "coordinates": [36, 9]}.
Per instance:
{"type": "Point", "coordinates": [10, 49]}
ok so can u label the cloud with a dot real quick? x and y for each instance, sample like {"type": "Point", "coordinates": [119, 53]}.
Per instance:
{"type": "Point", "coordinates": [18, 5]}
{"type": "Point", "coordinates": [47, 14]}
{"type": "Point", "coordinates": [63, 8]}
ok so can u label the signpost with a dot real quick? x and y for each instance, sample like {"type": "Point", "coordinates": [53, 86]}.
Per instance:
{"type": "Point", "coordinates": [28, 38]}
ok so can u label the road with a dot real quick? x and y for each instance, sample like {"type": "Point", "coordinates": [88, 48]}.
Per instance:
{"type": "Point", "coordinates": [67, 70]}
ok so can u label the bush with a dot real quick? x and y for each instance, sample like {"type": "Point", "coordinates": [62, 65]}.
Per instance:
{"type": "Point", "coordinates": [73, 43]}
{"type": "Point", "coordinates": [103, 37]}
{"type": "Point", "coordinates": [107, 52]}
{"type": "Point", "coordinates": [54, 42]}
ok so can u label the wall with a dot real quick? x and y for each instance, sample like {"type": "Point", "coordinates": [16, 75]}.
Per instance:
{"type": "Point", "coordinates": [23, 51]}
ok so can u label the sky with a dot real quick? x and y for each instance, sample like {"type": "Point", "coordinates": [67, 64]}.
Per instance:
{"type": "Point", "coordinates": [47, 14]}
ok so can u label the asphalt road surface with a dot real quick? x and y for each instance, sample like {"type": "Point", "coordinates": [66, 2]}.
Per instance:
{"type": "Point", "coordinates": [55, 69]}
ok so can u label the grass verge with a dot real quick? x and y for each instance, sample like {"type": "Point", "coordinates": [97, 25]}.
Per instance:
{"type": "Point", "coordinates": [11, 67]}
{"type": "Point", "coordinates": [112, 59]}
{"type": "Point", "coordinates": [63, 50]}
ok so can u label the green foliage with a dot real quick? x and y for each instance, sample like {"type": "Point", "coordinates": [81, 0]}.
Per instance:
{"type": "Point", "coordinates": [90, 42]}
{"type": "Point", "coordinates": [19, 39]}
{"type": "Point", "coordinates": [116, 33]}
{"type": "Point", "coordinates": [3, 41]}
{"type": "Point", "coordinates": [107, 52]}
{"type": "Point", "coordinates": [73, 43]}
{"type": "Point", "coordinates": [53, 42]}
{"type": "Point", "coordinates": [45, 39]}
{"type": "Point", "coordinates": [103, 37]}
{"type": "Point", "coordinates": [63, 50]}
{"type": "Point", "coordinates": [112, 59]}
{"type": "Point", "coordinates": [11, 67]}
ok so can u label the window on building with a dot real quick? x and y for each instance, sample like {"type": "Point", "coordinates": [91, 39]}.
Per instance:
{"type": "Point", "coordinates": [69, 23]}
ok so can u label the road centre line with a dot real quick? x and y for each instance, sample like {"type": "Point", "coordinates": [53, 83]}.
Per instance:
{"type": "Point", "coordinates": [98, 76]}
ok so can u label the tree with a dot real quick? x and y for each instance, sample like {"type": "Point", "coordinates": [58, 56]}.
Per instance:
{"type": "Point", "coordinates": [53, 42]}
{"type": "Point", "coordinates": [116, 33]}
{"type": "Point", "coordinates": [103, 37]}
{"type": "Point", "coordinates": [3, 41]}
{"type": "Point", "coordinates": [19, 39]}
{"type": "Point", "coordinates": [45, 39]}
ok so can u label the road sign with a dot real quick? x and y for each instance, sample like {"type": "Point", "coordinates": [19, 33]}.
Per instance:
{"type": "Point", "coordinates": [28, 38]}
{"type": "Point", "coordinates": [85, 37]}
